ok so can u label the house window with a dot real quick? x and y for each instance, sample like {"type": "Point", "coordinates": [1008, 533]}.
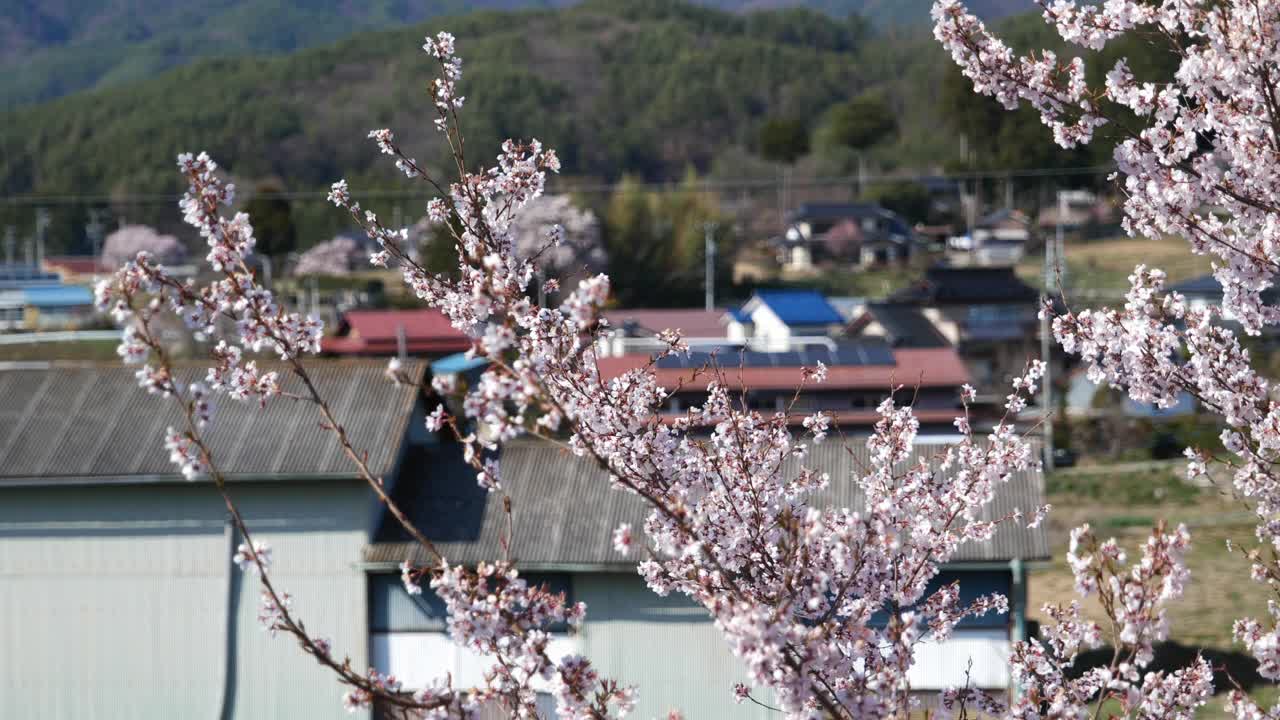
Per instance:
{"type": "Point", "coordinates": [973, 584]}
{"type": "Point", "coordinates": [392, 609]}
{"type": "Point", "coordinates": [408, 636]}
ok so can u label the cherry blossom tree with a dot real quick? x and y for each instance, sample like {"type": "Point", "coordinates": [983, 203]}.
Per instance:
{"type": "Point", "coordinates": [563, 239]}
{"type": "Point", "coordinates": [791, 585]}
{"type": "Point", "coordinates": [125, 243]}
{"type": "Point", "coordinates": [337, 256]}
{"type": "Point", "coordinates": [1199, 158]}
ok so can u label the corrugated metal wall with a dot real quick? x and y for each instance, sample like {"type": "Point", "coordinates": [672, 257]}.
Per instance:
{"type": "Point", "coordinates": [113, 601]}
{"type": "Point", "coordinates": [666, 646]}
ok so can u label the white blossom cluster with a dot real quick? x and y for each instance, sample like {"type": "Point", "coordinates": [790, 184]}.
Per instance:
{"type": "Point", "coordinates": [1202, 163]}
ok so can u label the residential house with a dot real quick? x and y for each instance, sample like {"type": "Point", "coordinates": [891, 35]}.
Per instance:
{"type": "Point", "coordinates": [563, 513]}
{"type": "Point", "coordinates": [636, 329]}
{"type": "Point", "coordinates": [425, 332]}
{"type": "Point", "coordinates": [844, 233]}
{"type": "Point", "coordinates": [999, 238]}
{"type": "Point", "coordinates": [118, 578]}
{"type": "Point", "coordinates": [900, 325]}
{"type": "Point", "coordinates": [860, 374]}
{"type": "Point", "coordinates": [987, 313]}
{"type": "Point", "coordinates": [117, 585]}
{"type": "Point", "coordinates": [76, 268]}
{"type": "Point", "coordinates": [776, 319]}
{"type": "Point", "coordinates": [1205, 290]}
{"type": "Point", "coordinates": [35, 299]}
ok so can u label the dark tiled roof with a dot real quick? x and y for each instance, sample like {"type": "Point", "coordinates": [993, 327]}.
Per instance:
{"type": "Point", "coordinates": [817, 212]}
{"type": "Point", "coordinates": [906, 326]}
{"type": "Point", "coordinates": [1203, 286]}
{"type": "Point", "coordinates": [564, 510]}
{"type": "Point", "coordinates": [947, 285]}
{"type": "Point", "coordinates": [87, 424]}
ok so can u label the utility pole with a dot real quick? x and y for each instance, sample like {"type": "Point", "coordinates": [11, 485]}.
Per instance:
{"type": "Point", "coordinates": [42, 227]}
{"type": "Point", "coordinates": [710, 230]}
{"type": "Point", "coordinates": [1053, 257]}
{"type": "Point", "coordinates": [93, 229]}
{"type": "Point", "coordinates": [10, 243]}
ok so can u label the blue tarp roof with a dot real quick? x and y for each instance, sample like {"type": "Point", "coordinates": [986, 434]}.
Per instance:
{"type": "Point", "coordinates": [456, 363]}
{"type": "Point", "coordinates": [51, 296]}
{"type": "Point", "coordinates": [800, 307]}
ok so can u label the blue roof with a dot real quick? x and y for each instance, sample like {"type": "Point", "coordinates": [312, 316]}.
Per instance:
{"type": "Point", "coordinates": [22, 276]}
{"type": "Point", "coordinates": [457, 363]}
{"type": "Point", "coordinates": [51, 296]}
{"type": "Point", "coordinates": [800, 307]}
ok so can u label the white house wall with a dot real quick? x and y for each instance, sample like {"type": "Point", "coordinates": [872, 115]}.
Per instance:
{"type": "Point", "coordinates": [942, 665]}
{"type": "Point", "coordinates": [769, 333]}
{"type": "Point", "coordinates": [113, 601]}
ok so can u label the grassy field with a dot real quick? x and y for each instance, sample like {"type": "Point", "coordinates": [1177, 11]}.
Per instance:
{"type": "Point", "coordinates": [86, 350]}
{"type": "Point", "coordinates": [1125, 504]}
{"type": "Point", "coordinates": [1103, 266]}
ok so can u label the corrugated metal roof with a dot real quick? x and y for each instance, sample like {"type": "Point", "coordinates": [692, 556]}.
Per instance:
{"type": "Point", "coordinates": [90, 423]}
{"type": "Point", "coordinates": [565, 511]}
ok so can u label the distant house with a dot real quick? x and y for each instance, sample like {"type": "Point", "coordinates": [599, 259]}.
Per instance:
{"type": "Point", "coordinates": [121, 597]}
{"type": "Point", "coordinates": [423, 333]}
{"type": "Point", "coordinates": [629, 631]}
{"type": "Point", "coordinates": [999, 238]}
{"type": "Point", "coordinates": [901, 325]}
{"type": "Point", "coordinates": [46, 307]}
{"type": "Point", "coordinates": [860, 375]}
{"type": "Point", "coordinates": [1205, 290]}
{"type": "Point", "coordinates": [846, 233]}
{"type": "Point", "coordinates": [77, 268]}
{"type": "Point", "coordinates": [1079, 210]}
{"type": "Point", "coordinates": [988, 314]}
{"type": "Point", "coordinates": [17, 275]}
{"type": "Point", "coordinates": [773, 319]}
{"type": "Point", "coordinates": [636, 330]}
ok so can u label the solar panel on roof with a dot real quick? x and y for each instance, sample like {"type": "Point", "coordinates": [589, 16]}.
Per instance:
{"type": "Point", "coordinates": [671, 362]}
{"type": "Point", "coordinates": [788, 359]}
{"type": "Point", "coordinates": [876, 353]}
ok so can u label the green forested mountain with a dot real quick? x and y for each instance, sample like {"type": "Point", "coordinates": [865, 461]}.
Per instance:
{"type": "Point", "coordinates": [652, 89]}
{"type": "Point", "coordinates": [51, 48]}
{"type": "Point", "coordinates": [643, 86]}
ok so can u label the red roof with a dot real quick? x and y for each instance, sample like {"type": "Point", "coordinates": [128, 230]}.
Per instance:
{"type": "Point", "coordinates": [855, 418]}
{"type": "Point", "coordinates": [927, 367]}
{"type": "Point", "coordinates": [692, 323]}
{"type": "Point", "coordinates": [76, 264]}
{"type": "Point", "coordinates": [375, 332]}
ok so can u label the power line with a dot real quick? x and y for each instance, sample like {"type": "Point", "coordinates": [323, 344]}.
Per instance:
{"type": "Point", "coordinates": [705, 185]}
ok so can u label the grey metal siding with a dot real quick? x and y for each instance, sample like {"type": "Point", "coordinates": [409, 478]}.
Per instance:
{"type": "Point", "coordinates": [113, 601]}
{"type": "Point", "coordinates": [668, 647]}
